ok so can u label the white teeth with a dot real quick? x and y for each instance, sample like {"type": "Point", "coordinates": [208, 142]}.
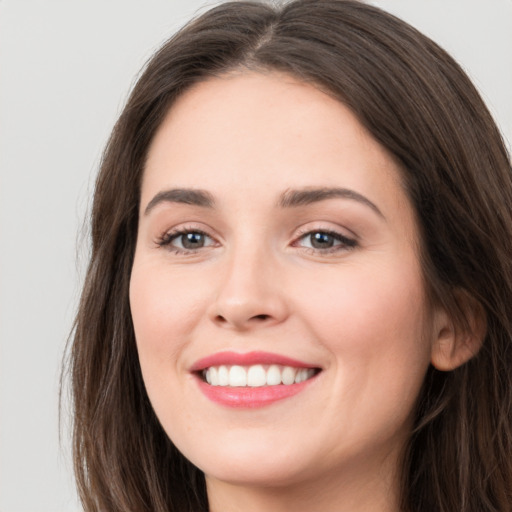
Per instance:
{"type": "Point", "coordinates": [301, 376]}
{"type": "Point", "coordinates": [223, 376]}
{"type": "Point", "coordinates": [256, 375]}
{"type": "Point", "coordinates": [214, 379]}
{"type": "Point", "coordinates": [237, 376]}
{"type": "Point", "coordinates": [273, 375]}
{"type": "Point", "coordinates": [288, 375]}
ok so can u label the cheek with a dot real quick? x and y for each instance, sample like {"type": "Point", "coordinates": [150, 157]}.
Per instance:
{"type": "Point", "coordinates": [164, 307]}
{"type": "Point", "coordinates": [360, 301]}
{"type": "Point", "coordinates": [165, 310]}
{"type": "Point", "coordinates": [375, 325]}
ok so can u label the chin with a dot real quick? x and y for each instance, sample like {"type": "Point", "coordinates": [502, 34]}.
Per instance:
{"type": "Point", "coordinates": [250, 462]}
{"type": "Point", "coordinates": [270, 473]}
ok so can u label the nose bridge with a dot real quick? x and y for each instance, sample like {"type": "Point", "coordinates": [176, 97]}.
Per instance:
{"type": "Point", "coordinates": [249, 293]}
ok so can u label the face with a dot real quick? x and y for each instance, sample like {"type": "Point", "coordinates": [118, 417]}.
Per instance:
{"type": "Point", "coordinates": [276, 292]}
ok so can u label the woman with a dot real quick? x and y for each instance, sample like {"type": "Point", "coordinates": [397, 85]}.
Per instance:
{"type": "Point", "coordinates": [298, 295]}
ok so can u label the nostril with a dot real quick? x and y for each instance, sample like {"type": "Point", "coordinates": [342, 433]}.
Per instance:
{"type": "Point", "coordinates": [242, 319]}
{"type": "Point", "coordinates": [261, 317]}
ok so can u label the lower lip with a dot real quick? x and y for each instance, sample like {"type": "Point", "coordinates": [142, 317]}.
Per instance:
{"type": "Point", "coordinates": [248, 397]}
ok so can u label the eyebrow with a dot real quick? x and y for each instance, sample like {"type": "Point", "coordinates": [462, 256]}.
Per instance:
{"type": "Point", "coordinates": [289, 199]}
{"type": "Point", "coordinates": [301, 197]}
{"type": "Point", "coordinates": [190, 196]}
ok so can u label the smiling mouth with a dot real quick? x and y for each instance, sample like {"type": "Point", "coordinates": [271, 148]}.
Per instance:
{"type": "Point", "coordinates": [257, 375]}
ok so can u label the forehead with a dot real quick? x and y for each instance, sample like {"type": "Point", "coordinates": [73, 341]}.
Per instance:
{"type": "Point", "coordinates": [261, 134]}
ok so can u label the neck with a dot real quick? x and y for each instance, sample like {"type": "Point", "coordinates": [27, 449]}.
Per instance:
{"type": "Point", "coordinates": [353, 490]}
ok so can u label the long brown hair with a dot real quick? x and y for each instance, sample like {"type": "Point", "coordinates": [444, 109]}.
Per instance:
{"type": "Point", "coordinates": [417, 102]}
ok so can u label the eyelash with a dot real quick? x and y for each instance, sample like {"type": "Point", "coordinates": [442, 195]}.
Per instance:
{"type": "Point", "coordinates": [345, 243]}
{"type": "Point", "coordinates": [167, 238]}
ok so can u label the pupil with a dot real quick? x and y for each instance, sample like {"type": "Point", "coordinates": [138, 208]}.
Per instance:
{"type": "Point", "coordinates": [321, 240]}
{"type": "Point", "coordinates": [193, 240]}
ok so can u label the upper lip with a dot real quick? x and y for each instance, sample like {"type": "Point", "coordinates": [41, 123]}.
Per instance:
{"type": "Point", "coordinates": [247, 359]}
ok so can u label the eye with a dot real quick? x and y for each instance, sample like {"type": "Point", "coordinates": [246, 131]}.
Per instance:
{"type": "Point", "coordinates": [325, 241]}
{"type": "Point", "coordinates": [186, 240]}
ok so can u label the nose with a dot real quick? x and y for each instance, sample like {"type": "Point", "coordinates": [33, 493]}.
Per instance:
{"type": "Point", "coordinates": [250, 294]}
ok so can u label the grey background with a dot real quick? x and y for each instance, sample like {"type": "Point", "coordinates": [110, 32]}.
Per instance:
{"type": "Point", "coordinates": [66, 67]}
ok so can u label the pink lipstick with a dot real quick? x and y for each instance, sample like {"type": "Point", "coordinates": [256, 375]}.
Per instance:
{"type": "Point", "coordinates": [247, 359]}
{"type": "Point", "coordinates": [252, 379]}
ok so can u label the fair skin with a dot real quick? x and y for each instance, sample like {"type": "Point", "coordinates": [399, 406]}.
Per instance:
{"type": "Point", "coordinates": [331, 280]}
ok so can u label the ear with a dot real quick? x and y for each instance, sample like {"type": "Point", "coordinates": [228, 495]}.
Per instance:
{"type": "Point", "coordinates": [454, 344]}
